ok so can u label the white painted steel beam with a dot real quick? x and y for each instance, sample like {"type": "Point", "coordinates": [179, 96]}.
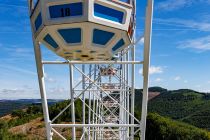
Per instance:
{"type": "Point", "coordinates": [83, 97]}
{"type": "Point", "coordinates": [71, 81]}
{"type": "Point", "coordinates": [94, 125]}
{"type": "Point", "coordinates": [40, 72]}
{"type": "Point", "coordinates": [92, 62]}
{"type": "Point", "coordinates": [146, 65]}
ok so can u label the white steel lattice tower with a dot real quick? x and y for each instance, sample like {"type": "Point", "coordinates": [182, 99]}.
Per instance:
{"type": "Point", "coordinates": [97, 40]}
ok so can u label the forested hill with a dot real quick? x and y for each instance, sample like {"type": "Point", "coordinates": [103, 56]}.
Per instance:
{"type": "Point", "coordinates": [8, 106]}
{"type": "Point", "coordinates": [184, 105]}
{"type": "Point", "coordinates": [28, 124]}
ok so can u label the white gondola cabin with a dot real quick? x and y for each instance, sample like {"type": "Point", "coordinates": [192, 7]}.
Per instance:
{"type": "Point", "coordinates": [83, 30]}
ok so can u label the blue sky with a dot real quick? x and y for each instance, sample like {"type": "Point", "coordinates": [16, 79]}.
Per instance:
{"type": "Point", "coordinates": [180, 49]}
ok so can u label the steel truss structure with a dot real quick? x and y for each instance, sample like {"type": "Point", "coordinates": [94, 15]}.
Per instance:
{"type": "Point", "coordinates": [107, 93]}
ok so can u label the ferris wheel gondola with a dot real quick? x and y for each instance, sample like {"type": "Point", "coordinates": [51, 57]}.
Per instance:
{"type": "Point", "coordinates": [83, 30]}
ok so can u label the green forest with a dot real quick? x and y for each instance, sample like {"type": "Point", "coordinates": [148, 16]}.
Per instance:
{"type": "Point", "coordinates": [173, 115]}
{"type": "Point", "coordinates": [183, 105]}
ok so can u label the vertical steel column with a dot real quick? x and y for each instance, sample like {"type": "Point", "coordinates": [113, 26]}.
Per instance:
{"type": "Point", "coordinates": [83, 98]}
{"type": "Point", "coordinates": [121, 99]}
{"type": "Point", "coordinates": [40, 72]}
{"type": "Point", "coordinates": [146, 65]}
{"type": "Point", "coordinates": [97, 133]}
{"type": "Point", "coordinates": [97, 112]}
{"type": "Point", "coordinates": [94, 106]}
{"type": "Point", "coordinates": [93, 117]}
{"type": "Point", "coordinates": [132, 90]}
{"type": "Point", "coordinates": [133, 74]}
{"type": "Point", "coordinates": [127, 93]}
{"type": "Point", "coordinates": [99, 121]}
{"type": "Point", "coordinates": [89, 111]}
{"type": "Point", "coordinates": [72, 101]}
{"type": "Point", "coordinates": [102, 115]}
{"type": "Point", "coordinates": [124, 98]}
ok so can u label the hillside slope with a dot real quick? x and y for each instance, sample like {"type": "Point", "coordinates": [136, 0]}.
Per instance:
{"type": "Point", "coordinates": [7, 106]}
{"type": "Point", "coordinates": [158, 128]}
{"type": "Point", "coordinates": [28, 124]}
{"type": "Point", "coordinates": [184, 105]}
{"type": "Point", "coordinates": [161, 128]}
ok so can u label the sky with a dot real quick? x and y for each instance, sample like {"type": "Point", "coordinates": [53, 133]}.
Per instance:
{"type": "Point", "coordinates": [180, 56]}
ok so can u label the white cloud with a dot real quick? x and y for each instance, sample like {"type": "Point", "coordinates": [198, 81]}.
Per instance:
{"type": "Point", "coordinates": [79, 79]}
{"type": "Point", "coordinates": [198, 86]}
{"type": "Point", "coordinates": [153, 70]}
{"type": "Point", "coordinates": [49, 79]}
{"type": "Point", "coordinates": [158, 80]}
{"type": "Point", "coordinates": [57, 90]}
{"type": "Point", "coordinates": [193, 24]}
{"type": "Point", "coordinates": [208, 82]}
{"type": "Point", "coordinates": [18, 52]}
{"type": "Point", "coordinates": [185, 81]}
{"type": "Point", "coordinates": [15, 90]}
{"type": "Point", "coordinates": [199, 44]}
{"type": "Point", "coordinates": [170, 5]}
{"type": "Point", "coordinates": [17, 69]}
{"type": "Point", "coordinates": [16, 6]}
{"type": "Point", "coordinates": [177, 78]}
{"type": "Point", "coordinates": [18, 12]}
{"type": "Point", "coordinates": [19, 93]}
{"type": "Point", "coordinates": [163, 55]}
{"type": "Point", "coordinates": [141, 41]}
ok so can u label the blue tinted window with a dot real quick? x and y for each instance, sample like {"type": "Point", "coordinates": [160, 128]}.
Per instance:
{"type": "Point", "coordinates": [118, 45]}
{"type": "Point", "coordinates": [50, 41]}
{"type": "Point", "coordinates": [71, 35]}
{"type": "Point", "coordinates": [38, 21]}
{"type": "Point", "coordinates": [102, 37]}
{"type": "Point", "coordinates": [108, 13]}
{"type": "Point", "coordinates": [127, 1]}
